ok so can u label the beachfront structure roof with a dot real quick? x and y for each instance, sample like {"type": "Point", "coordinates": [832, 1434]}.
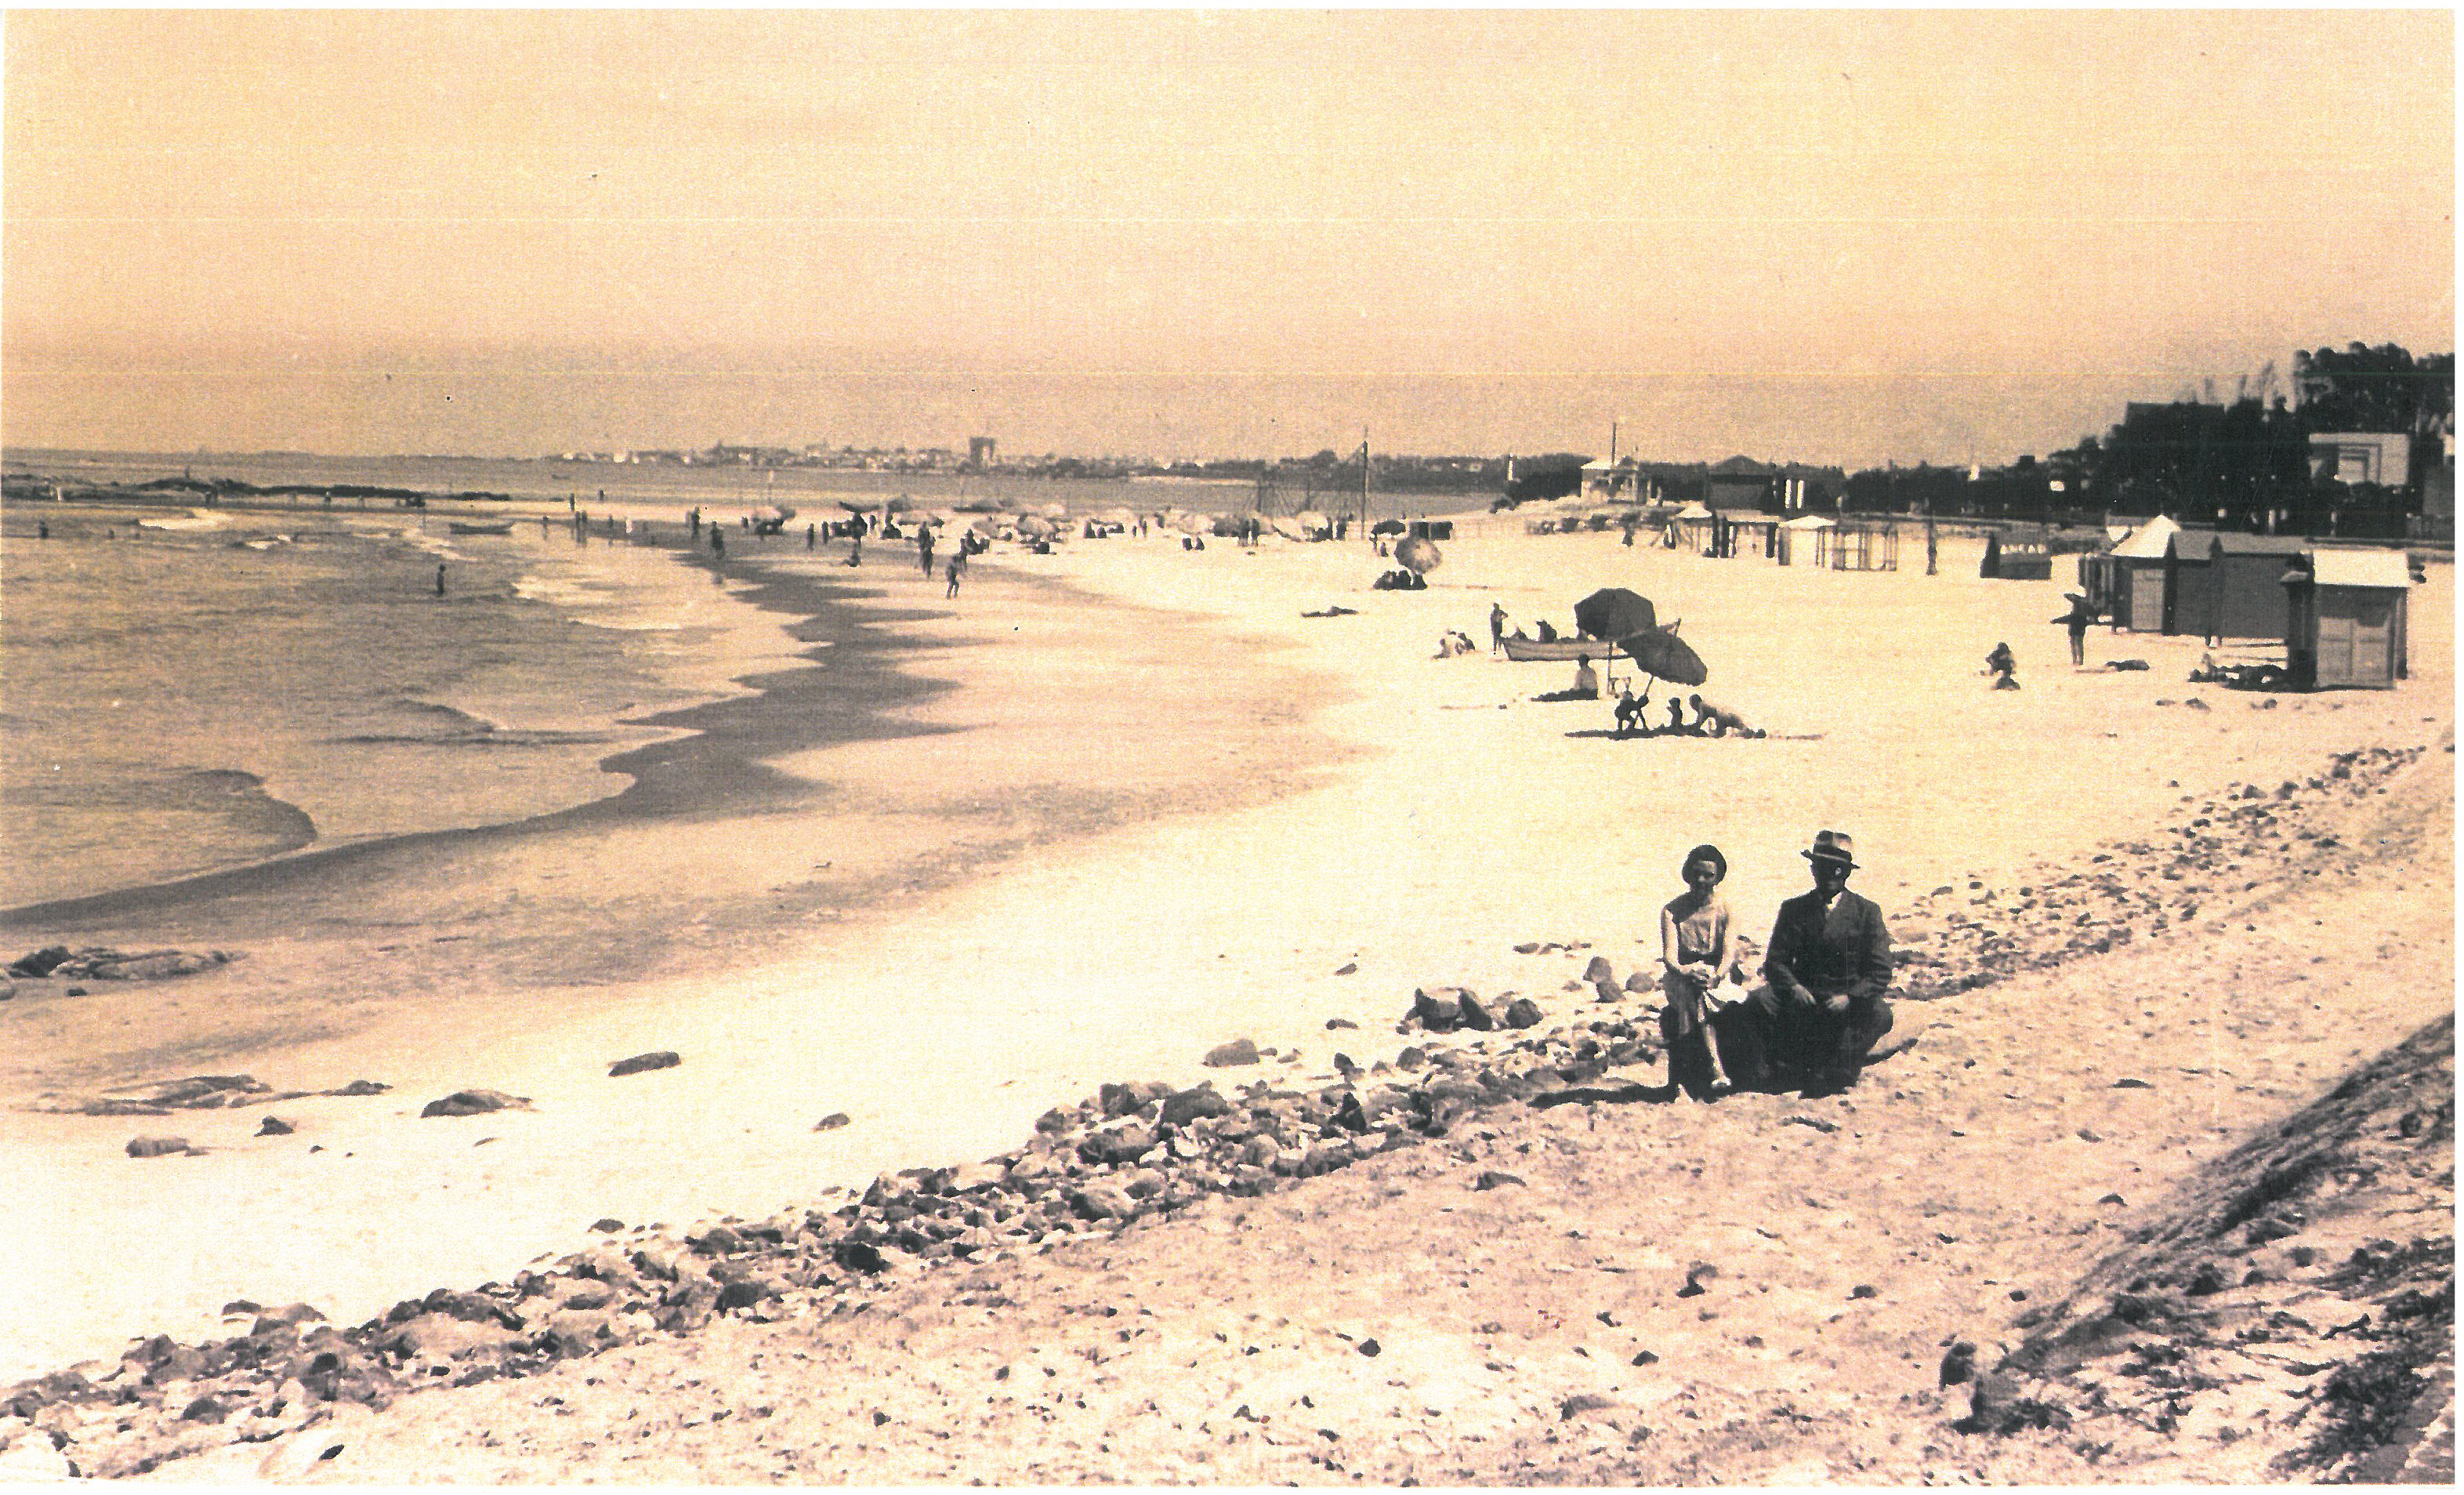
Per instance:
{"type": "Point", "coordinates": [2149, 542]}
{"type": "Point", "coordinates": [2383, 569]}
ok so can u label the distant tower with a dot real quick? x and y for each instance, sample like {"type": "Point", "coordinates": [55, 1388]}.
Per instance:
{"type": "Point", "coordinates": [979, 452]}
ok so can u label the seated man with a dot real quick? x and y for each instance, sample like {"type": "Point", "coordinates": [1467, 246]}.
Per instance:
{"type": "Point", "coordinates": [1548, 632]}
{"type": "Point", "coordinates": [1676, 718]}
{"type": "Point", "coordinates": [1587, 681]}
{"type": "Point", "coordinates": [1821, 1011]}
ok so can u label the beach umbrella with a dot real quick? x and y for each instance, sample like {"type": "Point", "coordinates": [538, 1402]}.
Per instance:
{"type": "Point", "coordinates": [1614, 612]}
{"type": "Point", "coordinates": [898, 505]}
{"type": "Point", "coordinates": [776, 513]}
{"type": "Point", "coordinates": [1055, 510]}
{"type": "Point", "coordinates": [1659, 653]}
{"type": "Point", "coordinates": [1035, 527]}
{"type": "Point", "coordinates": [857, 505]}
{"type": "Point", "coordinates": [1418, 555]}
{"type": "Point", "coordinates": [1388, 527]}
{"type": "Point", "coordinates": [1117, 515]}
{"type": "Point", "coordinates": [1193, 523]}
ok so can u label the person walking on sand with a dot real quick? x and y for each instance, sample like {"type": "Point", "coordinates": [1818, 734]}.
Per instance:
{"type": "Point", "coordinates": [1821, 1009]}
{"type": "Point", "coordinates": [1695, 957]}
{"type": "Point", "coordinates": [855, 545]}
{"type": "Point", "coordinates": [717, 541]}
{"type": "Point", "coordinates": [924, 546]}
{"type": "Point", "coordinates": [1497, 627]}
{"type": "Point", "coordinates": [440, 580]}
{"type": "Point", "coordinates": [955, 562]}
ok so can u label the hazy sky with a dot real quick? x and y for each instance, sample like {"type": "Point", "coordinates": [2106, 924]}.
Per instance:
{"type": "Point", "coordinates": [1843, 235]}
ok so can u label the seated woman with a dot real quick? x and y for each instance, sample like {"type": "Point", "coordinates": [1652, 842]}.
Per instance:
{"type": "Point", "coordinates": [1548, 632]}
{"type": "Point", "coordinates": [2003, 667]}
{"type": "Point", "coordinates": [1587, 681]}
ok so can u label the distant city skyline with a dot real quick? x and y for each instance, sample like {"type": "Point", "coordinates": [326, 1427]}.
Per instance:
{"type": "Point", "coordinates": [1843, 237]}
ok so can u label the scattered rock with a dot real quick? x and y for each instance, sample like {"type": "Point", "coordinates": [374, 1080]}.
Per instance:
{"type": "Point", "coordinates": [1864, 1291]}
{"type": "Point", "coordinates": [663, 1059]}
{"type": "Point", "coordinates": [1196, 1105]}
{"type": "Point", "coordinates": [39, 963]}
{"type": "Point", "coordinates": [1346, 967]}
{"type": "Point", "coordinates": [1370, 1348]}
{"type": "Point", "coordinates": [1814, 1121]}
{"type": "Point", "coordinates": [1643, 1357]}
{"type": "Point", "coordinates": [474, 1102]}
{"type": "Point", "coordinates": [1598, 969]}
{"type": "Point", "coordinates": [1333, 1024]}
{"type": "Point", "coordinates": [2126, 1083]}
{"type": "Point", "coordinates": [1958, 1361]}
{"type": "Point", "coordinates": [363, 1087]}
{"type": "Point", "coordinates": [1232, 1055]}
{"type": "Point", "coordinates": [837, 1119]}
{"type": "Point", "coordinates": [1471, 1015]}
{"type": "Point", "coordinates": [274, 1126]}
{"type": "Point", "coordinates": [157, 1146]}
{"type": "Point", "coordinates": [1523, 1013]}
{"type": "Point", "coordinates": [1492, 1178]}
{"type": "Point", "coordinates": [606, 1224]}
{"type": "Point", "coordinates": [1573, 1407]}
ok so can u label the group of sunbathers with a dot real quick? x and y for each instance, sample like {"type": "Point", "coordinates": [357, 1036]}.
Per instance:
{"type": "Point", "coordinates": [1710, 719]}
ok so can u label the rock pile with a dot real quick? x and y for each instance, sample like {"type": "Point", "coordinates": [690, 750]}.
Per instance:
{"type": "Point", "coordinates": [101, 962]}
{"type": "Point", "coordinates": [2217, 851]}
{"type": "Point", "coordinates": [198, 1093]}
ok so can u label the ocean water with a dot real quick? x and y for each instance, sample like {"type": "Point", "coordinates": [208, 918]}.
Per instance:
{"type": "Point", "coordinates": [187, 690]}
{"type": "Point", "coordinates": [660, 491]}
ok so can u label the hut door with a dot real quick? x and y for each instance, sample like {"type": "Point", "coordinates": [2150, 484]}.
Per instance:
{"type": "Point", "coordinates": [2372, 657]}
{"type": "Point", "coordinates": [2146, 598]}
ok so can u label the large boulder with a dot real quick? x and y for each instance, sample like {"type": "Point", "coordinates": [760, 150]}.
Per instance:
{"type": "Point", "coordinates": [1102, 1202]}
{"type": "Point", "coordinates": [475, 1102]}
{"type": "Point", "coordinates": [39, 963]}
{"type": "Point", "coordinates": [1184, 1106]}
{"type": "Point", "coordinates": [1124, 1144]}
{"type": "Point", "coordinates": [1523, 1013]}
{"type": "Point", "coordinates": [1228, 1056]}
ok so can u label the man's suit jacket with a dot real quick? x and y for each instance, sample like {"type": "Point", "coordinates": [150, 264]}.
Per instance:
{"type": "Point", "coordinates": [1840, 949]}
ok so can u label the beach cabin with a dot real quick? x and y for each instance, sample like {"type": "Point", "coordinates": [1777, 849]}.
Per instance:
{"type": "Point", "coordinates": [1432, 529]}
{"type": "Point", "coordinates": [2346, 619]}
{"type": "Point", "coordinates": [2018, 557]}
{"type": "Point", "coordinates": [2228, 585]}
{"type": "Point", "coordinates": [2135, 576]}
{"type": "Point", "coordinates": [1860, 547]}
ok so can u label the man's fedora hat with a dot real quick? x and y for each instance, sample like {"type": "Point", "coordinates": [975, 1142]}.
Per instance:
{"type": "Point", "coordinates": [1834, 846]}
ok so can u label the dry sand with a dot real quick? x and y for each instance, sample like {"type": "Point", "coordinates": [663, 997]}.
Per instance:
{"type": "Point", "coordinates": [1426, 817]}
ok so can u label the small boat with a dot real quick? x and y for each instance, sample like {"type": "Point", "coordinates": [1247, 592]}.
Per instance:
{"type": "Point", "coordinates": [474, 526]}
{"type": "Point", "coordinates": [1531, 649]}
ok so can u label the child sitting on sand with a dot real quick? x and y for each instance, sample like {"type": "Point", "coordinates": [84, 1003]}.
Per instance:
{"type": "Point", "coordinates": [1695, 956]}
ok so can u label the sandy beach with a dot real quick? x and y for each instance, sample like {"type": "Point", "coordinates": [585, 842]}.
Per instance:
{"type": "Point", "coordinates": [1144, 807]}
